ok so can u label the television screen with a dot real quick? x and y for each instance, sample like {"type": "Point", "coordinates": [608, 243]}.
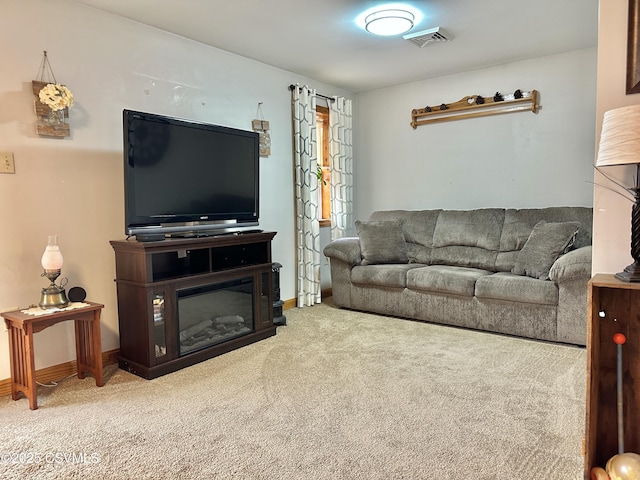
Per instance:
{"type": "Point", "coordinates": [183, 176]}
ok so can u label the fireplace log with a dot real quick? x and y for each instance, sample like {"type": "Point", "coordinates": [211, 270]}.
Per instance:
{"type": "Point", "coordinates": [228, 320]}
{"type": "Point", "coordinates": [194, 330]}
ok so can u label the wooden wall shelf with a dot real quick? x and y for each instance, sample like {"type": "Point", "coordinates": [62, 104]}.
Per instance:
{"type": "Point", "coordinates": [476, 106]}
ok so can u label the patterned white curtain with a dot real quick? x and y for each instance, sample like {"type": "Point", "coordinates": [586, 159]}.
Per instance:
{"type": "Point", "coordinates": [341, 166]}
{"type": "Point", "coordinates": [307, 211]}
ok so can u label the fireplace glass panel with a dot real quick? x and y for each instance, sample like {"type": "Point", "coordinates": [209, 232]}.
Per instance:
{"type": "Point", "coordinates": [264, 298]}
{"type": "Point", "coordinates": [158, 325]}
{"type": "Point", "coordinates": [213, 314]}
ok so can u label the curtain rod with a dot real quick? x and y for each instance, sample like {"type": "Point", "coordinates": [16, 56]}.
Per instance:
{"type": "Point", "coordinates": [292, 86]}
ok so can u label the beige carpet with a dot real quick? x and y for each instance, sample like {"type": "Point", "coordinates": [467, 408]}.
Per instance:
{"type": "Point", "coordinates": [334, 395]}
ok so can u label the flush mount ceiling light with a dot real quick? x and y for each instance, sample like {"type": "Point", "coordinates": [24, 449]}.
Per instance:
{"type": "Point", "coordinates": [389, 22]}
{"type": "Point", "coordinates": [390, 19]}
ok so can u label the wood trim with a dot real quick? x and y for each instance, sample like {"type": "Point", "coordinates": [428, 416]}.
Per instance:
{"type": "Point", "coordinates": [57, 372]}
{"type": "Point", "coordinates": [323, 113]}
{"type": "Point", "coordinates": [291, 303]}
{"type": "Point", "coordinates": [633, 54]}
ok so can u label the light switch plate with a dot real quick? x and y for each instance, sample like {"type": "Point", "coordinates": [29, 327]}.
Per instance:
{"type": "Point", "coordinates": [6, 163]}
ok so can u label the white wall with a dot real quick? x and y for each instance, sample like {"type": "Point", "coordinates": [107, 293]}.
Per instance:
{"type": "Point", "coordinates": [73, 187]}
{"type": "Point", "coordinates": [513, 160]}
{"type": "Point", "coordinates": [612, 213]}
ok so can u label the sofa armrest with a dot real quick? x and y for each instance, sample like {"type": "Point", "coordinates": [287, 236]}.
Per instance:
{"type": "Point", "coordinates": [573, 265]}
{"type": "Point", "coordinates": [346, 249]}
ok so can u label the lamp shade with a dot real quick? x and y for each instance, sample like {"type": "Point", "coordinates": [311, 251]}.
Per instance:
{"type": "Point", "coordinates": [52, 256]}
{"type": "Point", "coordinates": [620, 137]}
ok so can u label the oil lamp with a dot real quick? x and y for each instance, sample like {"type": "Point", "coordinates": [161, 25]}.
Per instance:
{"type": "Point", "coordinates": [54, 295]}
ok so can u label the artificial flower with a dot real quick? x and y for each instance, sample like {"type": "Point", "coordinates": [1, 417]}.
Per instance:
{"type": "Point", "coordinates": [56, 96]}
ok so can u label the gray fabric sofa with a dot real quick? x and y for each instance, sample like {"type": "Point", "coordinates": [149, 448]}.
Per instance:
{"type": "Point", "coordinates": [521, 272]}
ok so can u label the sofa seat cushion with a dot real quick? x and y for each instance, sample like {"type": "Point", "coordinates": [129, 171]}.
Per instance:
{"type": "Point", "coordinates": [382, 275]}
{"type": "Point", "coordinates": [516, 288]}
{"type": "Point", "coordinates": [445, 279]}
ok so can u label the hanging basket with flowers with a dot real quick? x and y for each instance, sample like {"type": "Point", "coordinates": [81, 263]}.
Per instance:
{"type": "Point", "coordinates": [57, 97]}
{"type": "Point", "coordinates": [52, 103]}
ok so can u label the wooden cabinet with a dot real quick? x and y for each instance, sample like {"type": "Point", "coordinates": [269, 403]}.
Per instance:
{"type": "Point", "coordinates": [182, 301]}
{"type": "Point", "coordinates": [614, 307]}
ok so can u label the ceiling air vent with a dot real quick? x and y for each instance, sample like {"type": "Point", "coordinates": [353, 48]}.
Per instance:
{"type": "Point", "coordinates": [427, 36]}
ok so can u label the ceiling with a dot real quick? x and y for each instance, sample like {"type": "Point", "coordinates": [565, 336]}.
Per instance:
{"type": "Point", "coordinates": [319, 39]}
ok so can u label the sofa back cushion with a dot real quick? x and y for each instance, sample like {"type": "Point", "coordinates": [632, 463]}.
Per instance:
{"type": "Point", "coordinates": [518, 224]}
{"type": "Point", "coordinates": [468, 238]}
{"type": "Point", "coordinates": [484, 238]}
{"type": "Point", "coordinates": [417, 226]}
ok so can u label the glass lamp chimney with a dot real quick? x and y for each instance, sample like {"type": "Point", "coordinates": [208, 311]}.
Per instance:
{"type": "Point", "coordinates": [52, 256]}
{"type": "Point", "coordinates": [54, 295]}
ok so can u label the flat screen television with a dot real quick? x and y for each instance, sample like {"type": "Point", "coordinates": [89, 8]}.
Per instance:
{"type": "Point", "coordinates": [188, 178]}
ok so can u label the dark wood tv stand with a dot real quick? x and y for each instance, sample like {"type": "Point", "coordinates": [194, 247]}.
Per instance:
{"type": "Point", "coordinates": [157, 282]}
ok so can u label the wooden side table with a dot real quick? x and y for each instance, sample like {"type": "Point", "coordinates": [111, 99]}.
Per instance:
{"type": "Point", "coordinates": [614, 307]}
{"type": "Point", "coordinates": [21, 328]}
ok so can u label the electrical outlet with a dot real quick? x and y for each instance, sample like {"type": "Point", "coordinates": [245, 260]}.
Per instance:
{"type": "Point", "coordinates": [6, 163]}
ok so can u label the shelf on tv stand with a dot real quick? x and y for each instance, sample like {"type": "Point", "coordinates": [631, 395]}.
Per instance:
{"type": "Point", "coordinates": [148, 272]}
